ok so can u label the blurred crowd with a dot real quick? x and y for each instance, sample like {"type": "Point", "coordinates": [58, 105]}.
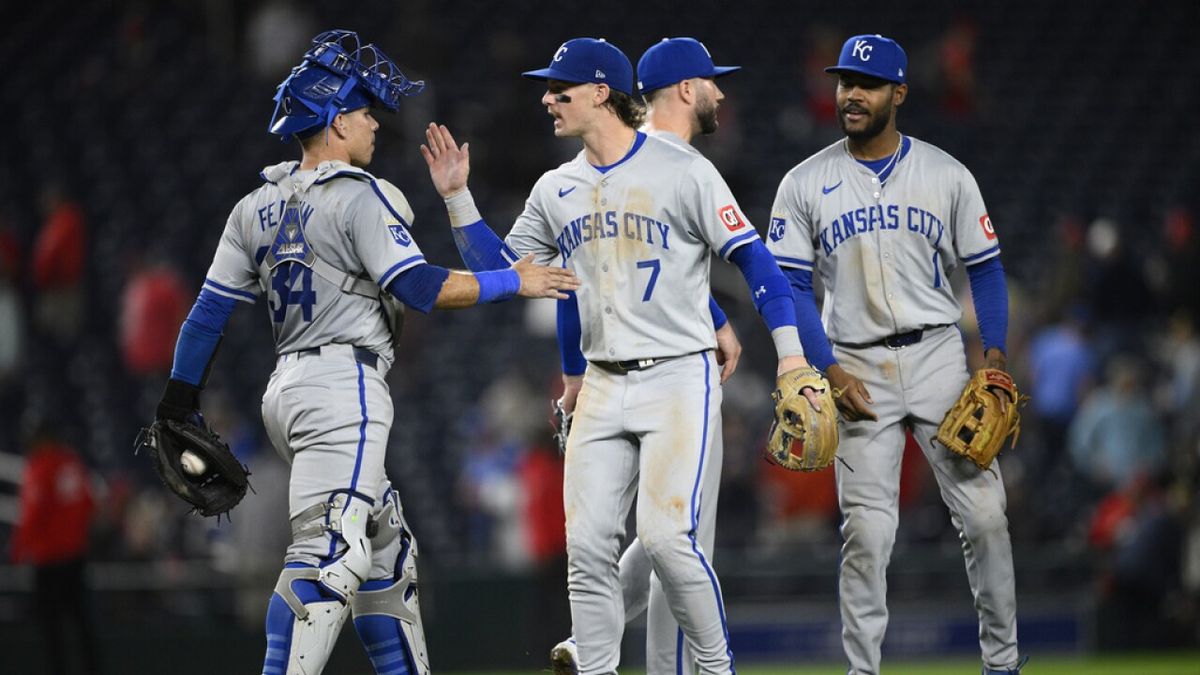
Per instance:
{"type": "Point", "coordinates": [105, 239]}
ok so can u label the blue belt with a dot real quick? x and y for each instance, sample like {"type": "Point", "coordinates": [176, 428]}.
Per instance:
{"type": "Point", "coordinates": [361, 354]}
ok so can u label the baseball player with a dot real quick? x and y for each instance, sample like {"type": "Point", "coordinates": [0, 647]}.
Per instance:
{"type": "Point", "coordinates": [636, 218]}
{"type": "Point", "coordinates": [886, 218]}
{"type": "Point", "coordinates": [676, 78]}
{"type": "Point", "coordinates": [320, 239]}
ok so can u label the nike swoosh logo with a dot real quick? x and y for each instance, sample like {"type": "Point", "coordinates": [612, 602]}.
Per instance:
{"type": "Point", "coordinates": [827, 190]}
{"type": "Point", "coordinates": [564, 193]}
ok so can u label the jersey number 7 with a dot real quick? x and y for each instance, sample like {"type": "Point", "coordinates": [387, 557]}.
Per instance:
{"type": "Point", "coordinates": [654, 268]}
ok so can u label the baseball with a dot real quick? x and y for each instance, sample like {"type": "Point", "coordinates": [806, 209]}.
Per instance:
{"type": "Point", "coordinates": [192, 464]}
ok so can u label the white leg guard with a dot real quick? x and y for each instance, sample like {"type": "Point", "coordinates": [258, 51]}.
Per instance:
{"type": "Point", "coordinates": [347, 520]}
{"type": "Point", "coordinates": [387, 612]}
{"type": "Point", "coordinates": [310, 604]}
{"type": "Point", "coordinates": [300, 635]}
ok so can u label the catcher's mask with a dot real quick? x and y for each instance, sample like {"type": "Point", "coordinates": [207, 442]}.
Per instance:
{"type": "Point", "coordinates": [337, 75]}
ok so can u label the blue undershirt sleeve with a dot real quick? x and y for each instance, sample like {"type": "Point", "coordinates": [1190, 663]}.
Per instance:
{"type": "Point", "coordinates": [808, 321]}
{"type": "Point", "coordinates": [418, 286]}
{"type": "Point", "coordinates": [989, 292]}
{"type": "Point", "coordinates": [569, 334]}
{"type": "Point", "coordinates": [718, 315]}
{"type": "Point", "coordinates": [481, 249]}
{"type": "Point", "coordinates": [199, 335]}
{"type": "Point", "coordinates": [768, 287]}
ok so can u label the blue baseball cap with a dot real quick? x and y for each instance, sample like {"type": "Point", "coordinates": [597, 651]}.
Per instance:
{"type": "Point", "coordinates": [588, 60]}
{"type": "Point", "coordinates": [872, 55]}
{"type": "Point", "coordinates": [674, 60]}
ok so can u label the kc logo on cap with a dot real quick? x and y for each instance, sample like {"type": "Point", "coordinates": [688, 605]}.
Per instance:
{"type": "Point", "coordinates": [588, 60]}
{"type": "Point", "coordinates": [872, 55]}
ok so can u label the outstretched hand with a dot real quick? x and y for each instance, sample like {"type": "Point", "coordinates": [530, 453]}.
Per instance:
{"type": "Point", "coordinates": [539, 281]}
{"type": "Point", "coordinates": [449, 164]}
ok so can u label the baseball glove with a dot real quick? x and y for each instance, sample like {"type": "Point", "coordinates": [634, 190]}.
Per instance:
{"type": "Point", "coordinates": [194, 463]}
{"type": "Point", "coordinates": [562, 425]}
{"type": "Point", "coordinates": [976, 427]}
{"type": "Point", "coordinates": [802, 438]}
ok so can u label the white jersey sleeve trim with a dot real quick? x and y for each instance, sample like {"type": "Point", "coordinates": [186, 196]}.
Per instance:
{"type": "Point", "coordinates": [981, 256]}
{"type": "Point", "coordinates": [785, 261]}
{"type": "Point", "coordinates": [738, 241]}
{"type": "Point", "coordinates": [233, 293]}
{"type": "Point", "coordinates": [399, 267]}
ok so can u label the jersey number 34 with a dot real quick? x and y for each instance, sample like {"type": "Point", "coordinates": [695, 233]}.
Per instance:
{"type": "Point", "coordinates": [291, 284]}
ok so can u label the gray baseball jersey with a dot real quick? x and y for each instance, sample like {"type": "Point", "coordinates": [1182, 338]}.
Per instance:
{"type": "Point", "coordinates": [888, 250]}
{"type": "Point", "coordinates": [638, 236]}
{"type": "Point", "coordinates": [327, 409]}
{"type": "Point", "coordinates": [354, 221]}
{"type": "Point", "coordinates": [885, 248]}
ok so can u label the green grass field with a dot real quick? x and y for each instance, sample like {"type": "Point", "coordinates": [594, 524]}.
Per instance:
{"type": "Point", "coordinates": [1169, 663]}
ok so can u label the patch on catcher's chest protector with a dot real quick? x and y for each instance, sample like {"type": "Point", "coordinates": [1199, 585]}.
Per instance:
{"type": "Point", "coordinates": [290, 243]}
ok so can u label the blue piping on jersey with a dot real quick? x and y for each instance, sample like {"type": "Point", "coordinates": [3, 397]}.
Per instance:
{"type": "Point", "coordinates": [695, 510]}
{"type": "Point", "coordinates": [638, 140]}
{"type": "Point", "coordinates": [397, 268]}
{"type": "Point", "coordinates": [793, 262]}
{"type": "Point", "coordinates": [937, 270]}
{"type": "Point", "coordinates": [876, 164]}
{"type": "Point", "coordinates": [356, 173]}
{"type": "Point", "coordinates": [678, 651]}
{"type": "Point", "coordinates": [729, 245]}
{"type": "Point", "coordinates": [972, 258]}
{"type": "Point", "coordinates": [394, 212]}
{"type": "Point", "coordinates": [225, 290]}
{"type": "Point", "coordinates": [362, 427]}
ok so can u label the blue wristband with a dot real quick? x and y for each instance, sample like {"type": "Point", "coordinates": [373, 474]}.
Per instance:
{"type": "Point", "coordinates": [497, 285]}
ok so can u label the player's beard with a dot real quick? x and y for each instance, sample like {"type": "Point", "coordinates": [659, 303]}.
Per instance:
{"type": "Point", "coordinates": [876, 123]}
{"type": "Point", "coordinates": [706, 115]}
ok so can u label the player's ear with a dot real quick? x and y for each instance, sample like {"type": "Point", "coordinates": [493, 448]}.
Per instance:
{"type": "Point", "coordinates": [899, 94]}
{"type": "Point", "coordinates": [338, 126]}
{"type": "Point", "coordinates": [687, 90]}
{"type": "Point", "coordinates": [602, 93]}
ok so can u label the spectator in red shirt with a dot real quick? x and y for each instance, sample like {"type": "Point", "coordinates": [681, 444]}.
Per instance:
{"type": "Point", "coordinates": [56, 508]}
{"type": "Point", "coordinates": [58, 265]}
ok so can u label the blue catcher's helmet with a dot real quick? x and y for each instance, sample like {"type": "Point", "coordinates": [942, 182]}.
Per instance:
{"type": "Point", "coordinates": [337, 75]}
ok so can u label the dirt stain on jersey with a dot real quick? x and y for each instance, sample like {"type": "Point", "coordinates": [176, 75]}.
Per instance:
{"type": "Point", "coordinates": [887, 370]}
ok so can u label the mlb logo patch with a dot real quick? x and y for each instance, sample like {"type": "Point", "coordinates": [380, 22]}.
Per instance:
{"type": "Point", "coordinates": [778, 227]}
{"type": "Point", "coordinates": [400, 235]}
{"type": "Point", "coordinates": [732, 219]}
{"type": "Point", "coordinates": [986, 223]}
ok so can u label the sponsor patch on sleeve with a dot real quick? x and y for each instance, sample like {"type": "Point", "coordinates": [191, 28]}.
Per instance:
{"type": "Point", "coordinates": [732, 219]}
{"type": "Point", "coordinates": [986, 223]}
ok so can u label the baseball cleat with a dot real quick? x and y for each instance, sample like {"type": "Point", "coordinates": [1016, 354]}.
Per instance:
{"type": "Point", "coordinates": [565, 658]}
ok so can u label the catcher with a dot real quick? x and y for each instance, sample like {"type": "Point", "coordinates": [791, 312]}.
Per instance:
{"type": "Point", "coordinates": [329, 246]}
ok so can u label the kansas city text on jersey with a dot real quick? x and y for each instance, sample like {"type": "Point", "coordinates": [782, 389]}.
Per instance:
{"type": "Point", "coordinates": [880, 217]}
{"type": "Point", "coordinates": [612, 224]}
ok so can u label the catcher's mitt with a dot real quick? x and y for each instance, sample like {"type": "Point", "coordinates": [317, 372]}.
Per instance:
{"type": "Point", "coordinates": [802, 438]}
{"type": "Point", "coordinates": [562, 425]}
{"type": "Point", "coordinates": [194, 463]}
{"type": "Point", "coordinates": [975, 427]}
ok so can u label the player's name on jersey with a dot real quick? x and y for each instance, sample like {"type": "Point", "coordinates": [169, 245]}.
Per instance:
{"type": "Point", "coordinates": [882, 217]}
{"type": "Point", "coordinates": [610, 225]}
{"type": "Point", "coordinates": [271, 215]}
